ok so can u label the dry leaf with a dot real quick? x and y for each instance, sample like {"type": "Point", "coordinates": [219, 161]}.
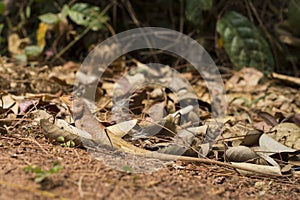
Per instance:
{"type": "Point", "coordinates": [16, 44]}
{"type": "Point", "coordinates": [245, 80]}
{"type": "Point", "coordinates": [122, 128]}
{"type": "Point", "coordinates": [257, 168]}
{"type": "Point", "coordinates": [287, 134]}
{"type": "Point", "coordinates": [41, 34]}
{"type": "Point", "coordinates": [240, 154]}
{"type": "Point", "coordinates": [270, 146]}
{"type": "Point", "coordinates": [268, 118]}
{"type": "Point", "coordinates": [252, 138]}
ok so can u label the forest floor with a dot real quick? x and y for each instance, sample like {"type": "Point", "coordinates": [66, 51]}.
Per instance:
{"type": "Point", "coordinates": [23, 144]}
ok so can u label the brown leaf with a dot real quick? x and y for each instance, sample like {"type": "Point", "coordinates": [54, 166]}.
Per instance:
{"type": "Point", "coordinates": [287, 134]}
{"type": "Point", "coordinates": [240, 154]}
{"type": "Point", "coordinates": [268, 118]}
{"type": "Point", "coordinates": [257, 168]}
{"type": "Point", "coordinates": [252, 138]}
{"type": "Point", "coordinates": [16, 44]}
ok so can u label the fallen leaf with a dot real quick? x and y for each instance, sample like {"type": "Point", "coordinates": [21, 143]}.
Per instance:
{"type": "Point", "coordinates": [122, 128]}
{"type": "Point", "coordinates": [287, 134]}
{"type": "Point", "coordinates": [270, 146]}
{"type": "Point", "coordinates": [257, 168]}
{"type": "Point", "coordinates": [240, 154]}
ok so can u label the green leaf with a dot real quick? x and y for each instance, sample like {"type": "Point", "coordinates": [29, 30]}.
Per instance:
{"type": "Point", "coordinates": [244, 44]}
{"type": "Point", "coordinates": [70, 143]}
{"type": "Point", "coordinates": [40, 179]}
{"type": "Point", "coordinates": [194, 8]}
{"type": "Point", "coordinates": [64, 12]}
{"type": "Point", "coordinates": [2, 7]}
{"type": "Point", "coordinates": [29, 168]}
{"type": "Point", "coordinates": [49, 18]}
{"type": "Point", "coordinates": [1, 27]}
{"type": "Point", "coordinates": [41, 174]}
{"type": "Point", "coordinates": [127, 169]}
{"type": "Point", "coordinates": [88, 16]}
{"type": "Point", "coordinates": [32, 50]}
{"type": "Point", "coordinates": [22, 58]}
{"type": "Point", "coordinates": [293, 15]}
{"type": "Point", "coordinates": [60, 139]}
{"type": "Point", "coordinates": [1, 38]}
{"type": "Point", "coordinates": [28, 11]}
{"type": "Point", "coordinates": [55, 168]}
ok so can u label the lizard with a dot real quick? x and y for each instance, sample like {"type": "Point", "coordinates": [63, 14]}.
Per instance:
{"type": "Point", "coordinates": [83, 116]}
{"type": "Point", "coordinates": [85, 120]}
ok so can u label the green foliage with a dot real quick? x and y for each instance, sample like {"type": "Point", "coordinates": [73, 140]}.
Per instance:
{"type": "Point", "coordinates": [88, 16]}
{"type": "Point", "coordinates": [1, 28]}
{"type": "Point", "coordinates": [32, 51]}
{"type": "Point", "coordinates": [293, 16]}
{"type": "Point", "coordinates": [41, 174]}
{"type": "Point", "coordinates": [49, 18]}
{"type": "Point", "coordinates": [194, 8]}
{"type": "Point", "coordinates": [69, 143]}
{"type": "Point", "coordinates": [2, 8]}
{"type": "Point", "coordinates": [127, 169]}
{"type": "Point", "coordinates": [244, 44]}
{"type": "Point", "coordinates": [55, 28]}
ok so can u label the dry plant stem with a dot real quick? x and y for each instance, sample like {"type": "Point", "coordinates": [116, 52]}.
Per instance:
{"type": "Point", "coordinates": [286, 78]}
{"type": "Point", "coordinates": [135, 20]}
{"type": "Point", "coordinates": [10, 120]}
{"type": "Point", "coordinates": [132, 14]}
{"type": "Point", "coordinates": [70, 45]}
{"type": "Point", "coordinates": [81, 193]}
{"type": "Point", "coordinates": [181, 22]}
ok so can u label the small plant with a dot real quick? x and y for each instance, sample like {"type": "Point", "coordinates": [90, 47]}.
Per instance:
{"type": "Point", "coordinates": [127, 169]}
{"type": "Point", "coordinates": [41, 174]}
{"type": "Point", "coordinates": [69, 143]}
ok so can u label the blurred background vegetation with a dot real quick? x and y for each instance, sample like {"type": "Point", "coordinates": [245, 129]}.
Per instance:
{"type": "Point", "coordinates": [253, 33]}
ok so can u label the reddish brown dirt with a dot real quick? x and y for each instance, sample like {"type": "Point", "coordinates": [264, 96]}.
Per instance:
{"type": "Point", "coordinates": [85, 178]}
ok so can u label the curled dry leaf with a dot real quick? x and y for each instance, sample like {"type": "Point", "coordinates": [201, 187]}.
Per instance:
{"type": "Point", "coordinates": [251, 138]}
{"type": "Point", "coordinates": [268, 118]}
{"type": "Point", "coordinates": [265, 158]}
{"type": "Point", "coordinates": [240, 154]}
{"type": "Point", "coordinates": [257, 168]}
{"type": "Point", "coordinates": [8, 102]}
{"type": "Point", "coordinates": [270, 146]}
{"type": "Point", "coordinates": [122, 128]}
{"type": "Point", "coordinates": [16, 44]}
{"type": "Point", "coordinates": [293, 118]}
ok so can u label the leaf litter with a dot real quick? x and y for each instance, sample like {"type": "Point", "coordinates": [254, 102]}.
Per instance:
{"type": "Point", "coordinates": [266, 142]}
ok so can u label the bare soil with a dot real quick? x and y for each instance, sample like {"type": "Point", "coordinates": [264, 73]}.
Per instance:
{"type": "Point", "coordinates": [85, 178]}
